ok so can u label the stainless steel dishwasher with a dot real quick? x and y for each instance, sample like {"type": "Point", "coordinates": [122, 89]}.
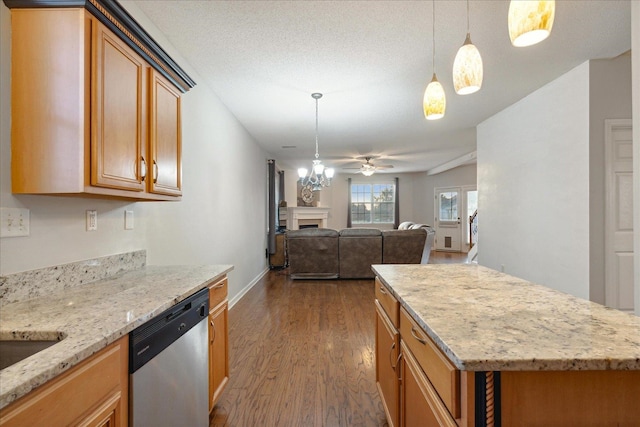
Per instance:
{"type": "Point", "coordinates": [168, 367]}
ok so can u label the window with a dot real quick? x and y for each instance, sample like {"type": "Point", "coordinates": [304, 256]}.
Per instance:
{"type": "Point", "coordinates": [373, 203]}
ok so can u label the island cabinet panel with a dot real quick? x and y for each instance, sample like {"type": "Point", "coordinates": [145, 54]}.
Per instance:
{"type": "Point", "coordinates": [93, 393]}
{"type": "Point", "coordinates": [218, 340]}
{"type": "Point", "coordinates": [387, 369]}
{"type": "Point", "coordinates": [83, 107]}
{"type": "Point", "coordinates": [564, 398]}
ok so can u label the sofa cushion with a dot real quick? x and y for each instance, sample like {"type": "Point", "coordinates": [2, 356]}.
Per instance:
{"type": "Point", "coordinates": [359, 248]}
{"type": "Point", "coordinates": [311, 232]}
{"type": "Point", "coordinates": [403, 246]}
{"type": "Point", "coordinates": [360, 232]}
{"type": "Point", "coordinates": [313, 253]}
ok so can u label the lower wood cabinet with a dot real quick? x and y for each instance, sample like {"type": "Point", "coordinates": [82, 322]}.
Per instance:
{"type": "Point", "coordinates": [420, 404]}
{"type": "Point", "coordinates": [218, 340]}
{"type": "Point", "coordinates": [387, 380]}
{"type": "Point", "coordinates": [93, 393]}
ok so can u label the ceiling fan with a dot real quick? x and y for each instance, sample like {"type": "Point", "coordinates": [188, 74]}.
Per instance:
{"type": "Point", "coordinates": [368, 168]}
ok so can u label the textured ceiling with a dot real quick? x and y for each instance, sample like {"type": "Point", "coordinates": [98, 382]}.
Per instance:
{"type": "Point", "coordinates": [372, 61]}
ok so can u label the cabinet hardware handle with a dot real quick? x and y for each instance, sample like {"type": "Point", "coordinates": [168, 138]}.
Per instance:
{"type": "Point", "coordinates": [155, 172]}
{"type": "Point", "coordinates": [414, 334]}
{"type": "Point", "coordinates": [382, 291]}
{"type": "Point", "coordinates": [143, 167]}
{"type": "Point", "coordinates": [213, 326]}
{"type": "Point", "coordinates": [393, 345]}
{"type": "Point", "coordinates": [218, 286]}
{"type": "Point", "coordinates": [399, 370]}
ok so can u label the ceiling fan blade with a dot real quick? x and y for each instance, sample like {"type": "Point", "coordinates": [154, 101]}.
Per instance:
{"type": "Point", "coordinates": [383, 166]}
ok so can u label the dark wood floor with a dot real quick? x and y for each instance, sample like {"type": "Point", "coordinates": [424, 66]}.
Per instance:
{"type": "Point", "coordinates": [302, 354]}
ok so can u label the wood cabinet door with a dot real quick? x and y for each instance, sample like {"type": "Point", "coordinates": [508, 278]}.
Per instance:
{"type": "Point", "coordinates": [164, 137]}
{"type": "Point", "coordinates": [420, 404]}
{"type": "Point", "coordinates": [218, 352]}
{"type": "Point", "coordinates": [118, 113]}
{"type": "Point", "coordinates": [387, 350]}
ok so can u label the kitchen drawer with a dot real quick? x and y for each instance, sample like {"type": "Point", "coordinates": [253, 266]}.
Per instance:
{"type": "Point", "coordinates": [388, 302]}
{"type": "Point", "coordinates": [217, 292]}
{"type": "Point", "coordinates": [442, 374]}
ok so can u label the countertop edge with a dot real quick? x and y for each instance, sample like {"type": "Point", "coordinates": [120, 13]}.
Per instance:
{"type": "Point", "coordinates": [63, 364]}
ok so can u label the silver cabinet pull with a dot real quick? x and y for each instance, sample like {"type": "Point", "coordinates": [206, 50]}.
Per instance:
{"type": "Point", "coordinates": [155, 172]}
{"type": "Point", "coordinates": [393, 345]}
{"type": "Point", "coordinates": [414, 334]}
{"type": "Point", "coordinates": [143, 168]}
{"type": "Point", "coordinates": [382, 290]}
{"type": "Point", "coordinates": [213, 328]}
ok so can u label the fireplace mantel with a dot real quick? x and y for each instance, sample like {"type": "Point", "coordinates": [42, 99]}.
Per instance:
{"type": "Point", "coordinates": [297, 215]}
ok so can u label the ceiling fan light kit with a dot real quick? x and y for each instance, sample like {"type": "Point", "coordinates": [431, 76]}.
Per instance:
{"type": "Point", "coordinates": [319, 176]}
{"type": "Point", "coordinates": [530, 22]}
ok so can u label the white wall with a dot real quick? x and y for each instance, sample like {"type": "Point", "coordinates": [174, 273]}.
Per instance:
{"type": "Point", "coordinates": [635, 47]}
{"type": "Point", "coordinates": [220, 220]}
{"type": "Point", "coordinates": [533, 186]}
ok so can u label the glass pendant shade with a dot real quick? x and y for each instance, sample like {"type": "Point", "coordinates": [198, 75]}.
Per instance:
{"type": "Point", "coordinates": [302, 172]}
{"type": "Point", "coordinates": [529, 21]}
{"type": "Point", "coordinates": [329, 172]}
{"type": "Point", "coordinates": [467, 69]}
{"type": "Point", "coordinates": [434, 102]}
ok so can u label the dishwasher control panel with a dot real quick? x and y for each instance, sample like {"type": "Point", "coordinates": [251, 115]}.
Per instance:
{"type": "Point", "coordinates": [148, 340]}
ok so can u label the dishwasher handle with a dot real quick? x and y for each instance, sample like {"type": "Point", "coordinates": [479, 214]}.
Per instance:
{"type": "Point", "coordinates": [178, 312]}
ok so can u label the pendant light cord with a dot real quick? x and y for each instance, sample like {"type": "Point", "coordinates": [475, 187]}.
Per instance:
{"type": "Point", "coordinates": [468, 17]}
{"type": "Point", "coordinates": [433, 10]}
{"type": "Point", "coordinates": [317, 155]}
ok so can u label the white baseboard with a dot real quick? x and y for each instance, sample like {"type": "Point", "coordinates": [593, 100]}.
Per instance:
{"type": "Point", "coordinates": [247, 288]}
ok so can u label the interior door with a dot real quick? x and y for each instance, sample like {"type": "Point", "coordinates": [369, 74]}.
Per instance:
{"type": "Point", "coordinates": [619, 215]}
{"type": "Point", "coordinates": [448, 213]}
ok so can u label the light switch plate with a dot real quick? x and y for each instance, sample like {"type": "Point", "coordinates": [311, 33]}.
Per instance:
{"type": "Point", "coordinates": [14, 222]}
{"type": "Point", "coordinates": [128, 220]}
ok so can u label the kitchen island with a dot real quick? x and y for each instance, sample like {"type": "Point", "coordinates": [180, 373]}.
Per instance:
{"type": "Point", "coordinates": [88, 318]}
{"type": "Point", "coordinates": [486, 348]}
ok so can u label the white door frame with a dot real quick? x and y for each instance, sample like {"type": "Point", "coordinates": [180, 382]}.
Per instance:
{"type": "Point", "coordinates": [611, 270]}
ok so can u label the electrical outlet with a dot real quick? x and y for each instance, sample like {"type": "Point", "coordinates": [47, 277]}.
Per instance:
{"type": "Point", "coordinates": [92, 220]}
{"type": "Point", "coordinates": [14, 222]}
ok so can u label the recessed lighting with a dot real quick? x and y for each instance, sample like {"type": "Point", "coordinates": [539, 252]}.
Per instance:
{"type": "Point", "coordinates": [289, 146]}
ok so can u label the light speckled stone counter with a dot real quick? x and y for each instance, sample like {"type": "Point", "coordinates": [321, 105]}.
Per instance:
{"type": "Point", "coordinates": [90, 317]}
{"type": "Point", "coordinates": [484, 320]}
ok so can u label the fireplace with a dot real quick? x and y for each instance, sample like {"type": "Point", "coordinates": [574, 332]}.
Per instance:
{"type": "Point", "coordinates": [296, 218]}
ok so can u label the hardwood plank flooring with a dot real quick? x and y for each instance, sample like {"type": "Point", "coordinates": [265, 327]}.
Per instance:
{"type": "Point", "coordinates": [302, 353]}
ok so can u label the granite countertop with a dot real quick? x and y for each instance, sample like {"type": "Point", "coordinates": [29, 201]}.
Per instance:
{"type": "Point", "coordinates": [90, 317]}
{"type": "Point", "coordinates": [485, 320]}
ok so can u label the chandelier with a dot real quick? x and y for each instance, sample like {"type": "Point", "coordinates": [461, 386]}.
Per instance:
{"type": "Point", "coordinates": [319, 176]}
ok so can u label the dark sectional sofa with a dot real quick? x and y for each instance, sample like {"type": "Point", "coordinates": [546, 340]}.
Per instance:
{"type": "Point", "coordinates": [322, 253]}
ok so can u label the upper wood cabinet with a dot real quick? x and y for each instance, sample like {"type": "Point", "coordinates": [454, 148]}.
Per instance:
{"type": "Point", "coordinates": [92, 112]}
{"type": "Point", "coordinates": [164, 137]}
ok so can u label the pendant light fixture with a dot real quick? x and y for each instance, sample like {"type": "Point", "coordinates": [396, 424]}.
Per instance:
{"type": "Point", "coordinates": [467, 66]}
{"type": "Point", "coordinates": [434, 102]}
{"type": "Point", "coordinates": [530, 21]}
{"type": "Point", "coordinates": [319, 176]}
